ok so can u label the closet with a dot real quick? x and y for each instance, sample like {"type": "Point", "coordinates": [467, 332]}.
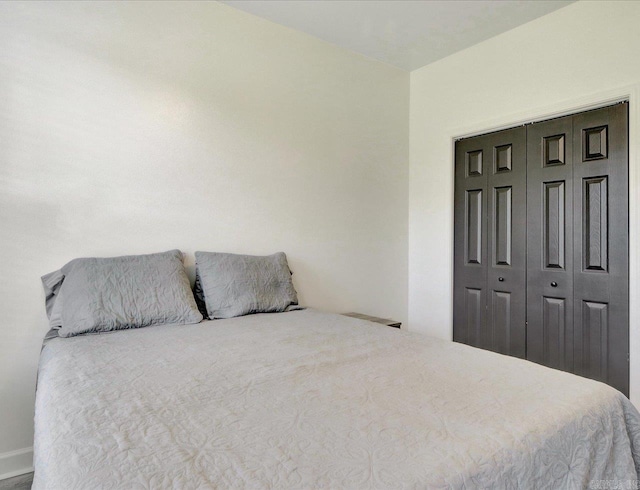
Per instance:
{"type": "Point", "coordinates": [541, 243]}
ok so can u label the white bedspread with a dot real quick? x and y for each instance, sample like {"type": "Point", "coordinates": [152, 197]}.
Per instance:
{"type": "Point", "coordinates": [312, 400]}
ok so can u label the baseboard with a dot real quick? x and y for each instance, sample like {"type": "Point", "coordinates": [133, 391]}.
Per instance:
{"type": "Point", "coordinates": [15, 463]}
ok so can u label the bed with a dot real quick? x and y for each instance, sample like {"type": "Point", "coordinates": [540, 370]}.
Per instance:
{"type": "Point", "coordinates": [137, 392]}
{"type": "Point", "coordinates": [306, 399]}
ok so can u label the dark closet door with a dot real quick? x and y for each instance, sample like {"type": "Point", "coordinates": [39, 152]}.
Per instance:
{"type": "Point", "coordinates": [550, 243]}
{"type": "Point", "coordinates": [490, 262]}
{"type": "Point", "coordinates": [577, 219]}
{"type": "Point", "coordinates": [601, 245]}
{"type": "Point", "coordinates": [470, 242]}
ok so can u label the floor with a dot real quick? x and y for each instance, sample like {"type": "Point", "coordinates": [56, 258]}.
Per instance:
{"type": "Point", "coordinates": [22, 482]}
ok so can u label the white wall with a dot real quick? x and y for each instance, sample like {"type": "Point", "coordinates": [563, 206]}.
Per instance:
{"type": "Point", "coordinates": [136, 127]}
{"type": "Point", "coordinates": [568, 59]}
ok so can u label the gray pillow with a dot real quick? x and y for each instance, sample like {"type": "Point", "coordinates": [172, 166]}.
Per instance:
{"type": "Point", "coordinates": [232, 285]}
{"type": "Point", "coordinates": [104, 294]}
{"type": "Point", "coordinates": [51, 284]}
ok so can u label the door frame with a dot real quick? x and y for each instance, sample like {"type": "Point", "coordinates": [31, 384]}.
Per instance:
{"type": "Point", "coordinates": [631, 94]}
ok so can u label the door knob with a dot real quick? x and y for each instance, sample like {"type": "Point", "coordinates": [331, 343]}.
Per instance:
{"type": "Point", "coordinates": [501, 279]}
{"type": "Point", "coordinates": [554, 284]}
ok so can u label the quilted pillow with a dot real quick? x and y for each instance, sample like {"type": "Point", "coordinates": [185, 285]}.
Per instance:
{"type": "Point", "coordinates": [231, 285]}
{"type": "Point", "coordinates": [103, 294]}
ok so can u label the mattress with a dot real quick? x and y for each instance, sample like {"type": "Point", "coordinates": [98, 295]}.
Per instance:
{"type": "Point", "coordinates": [306, 399]}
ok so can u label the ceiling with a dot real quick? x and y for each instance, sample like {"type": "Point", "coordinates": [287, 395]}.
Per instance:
{"type": "Point", "coordinates": [406, 34]}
